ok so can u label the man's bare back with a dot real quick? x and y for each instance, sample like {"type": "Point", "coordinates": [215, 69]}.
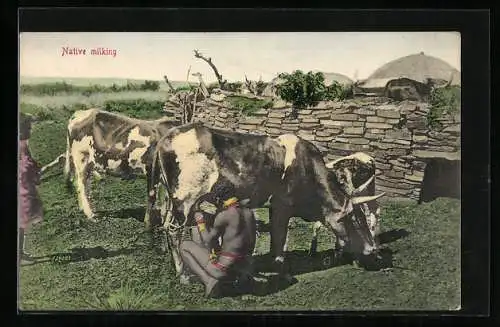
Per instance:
{"type": "Point", "coordinates": [236, 226]}
{"type": "Point", "coordinates": [239, 230]}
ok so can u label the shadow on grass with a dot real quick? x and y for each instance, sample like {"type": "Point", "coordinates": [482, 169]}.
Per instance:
{"type": "Point", "coordinates": [297, 262]}
{"type": "Point", "coordinates": [392, 235]}
{"type": "Point", "coordinates": [79, 255]}
{"type": "Point", "coordinates": [269, 282]}
{"type": "Point", "coordinates": [263, 227]}
{"type": "Point", "coordinates": [266, 285]}
{"type": "Point", "coordinates": [137, 213]}
{"type": "Point", "coordinates": [384, 238]}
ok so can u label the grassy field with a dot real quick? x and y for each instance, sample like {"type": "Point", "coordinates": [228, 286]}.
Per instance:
{"type": "Point", "coordinates": [113, 265]}
{"type": "Point", "coordinates": [82, 81]}
{"type": "Point", "coordinates": [92, 100]}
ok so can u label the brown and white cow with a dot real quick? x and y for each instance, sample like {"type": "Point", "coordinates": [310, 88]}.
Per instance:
{"type": "Point", "coordinates": [356, 175]}
{"type": "Point", "coordinates": [192, 159]}
{"type": "Point", "coordinates": [104, 142]}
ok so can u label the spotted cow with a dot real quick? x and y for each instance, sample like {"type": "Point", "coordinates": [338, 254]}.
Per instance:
{"type": "Point", "coordinates": [103, 142]}
{"type": "Point", "coordinates": [192, 159]}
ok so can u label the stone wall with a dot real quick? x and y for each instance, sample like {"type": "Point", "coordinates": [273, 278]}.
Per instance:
{"type": "Point", "coordinates": [394, 133]}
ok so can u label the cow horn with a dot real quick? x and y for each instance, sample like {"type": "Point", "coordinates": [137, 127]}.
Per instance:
{"type": "Point", "coordinates": [330, 164]}
{"type": "Point", "coordinates": [362, 187]}
{"type": "Point", "coordinates": [363, 199]}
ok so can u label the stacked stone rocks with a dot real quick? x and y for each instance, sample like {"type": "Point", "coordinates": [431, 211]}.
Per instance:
{"type": "Point", "coordinates": [394, 133]}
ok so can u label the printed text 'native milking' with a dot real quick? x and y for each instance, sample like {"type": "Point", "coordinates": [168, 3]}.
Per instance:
{"type": "Point", "coordinates": [99, 51]}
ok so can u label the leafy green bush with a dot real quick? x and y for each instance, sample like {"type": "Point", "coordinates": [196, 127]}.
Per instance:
{"type": "Point", "coordinates": [48, 88]}
{"type": "Point", "coordinates": [248, 106]}
{"type": "Point", "coordinates": [41, 113]}
{"type": "Point", "coordinates": [137, 108]}
{"type": "Point", "coordinates": [307, 89]}
{"type": "Point", "coordinates": [150, 85]}
{"type": "Point", "coordinates": [302, 90]}
{"type": "Point", "coordinates": [443, 101]}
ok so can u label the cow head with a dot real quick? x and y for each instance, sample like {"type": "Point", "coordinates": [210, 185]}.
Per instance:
{"type": "Point", "coordinates": [355, 176]}
{"type": "Point", "coordinates": [164, 124]}
{"type": "Point", "coordinates": [357, 231]}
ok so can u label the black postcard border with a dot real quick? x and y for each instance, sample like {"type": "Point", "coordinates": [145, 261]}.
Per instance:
{"type": "Point", "coordinates": [474, 28]}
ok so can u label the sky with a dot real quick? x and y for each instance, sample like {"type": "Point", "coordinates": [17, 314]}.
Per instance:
{"type": "Point", "coordinates": [152, 55]}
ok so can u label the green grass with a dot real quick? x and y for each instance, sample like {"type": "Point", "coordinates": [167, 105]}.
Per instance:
{"type": "Point", "coordinates": [112, 264]}
{"type": "Point", "coordinates": [96, 99]}
{"type": "Point", "coordinates": [248, 106]}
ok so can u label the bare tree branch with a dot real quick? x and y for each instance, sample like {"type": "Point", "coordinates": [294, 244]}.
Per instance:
{"type": "Point", "coordinates": [169, 84]}
{"type": "Point", "coordinates": [222, 82]}
{"type": "Point", "coordinates": [249, 85]}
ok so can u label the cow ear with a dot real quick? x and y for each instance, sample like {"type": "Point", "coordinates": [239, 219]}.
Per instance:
{"type": "Point", "coordinates": [339, 174]}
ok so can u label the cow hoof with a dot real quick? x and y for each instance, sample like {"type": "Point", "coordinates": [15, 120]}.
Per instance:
{"type": "Point", "coordinates": [327, 261]}
{"type": "Point", "coordinates": [185, 279]}
{"type": "Point", "coordinates": [338, 258]}
{"type": "Point", "coordinates": [159, 241]}
{"type": "Point", "coordinates": [313, 249]}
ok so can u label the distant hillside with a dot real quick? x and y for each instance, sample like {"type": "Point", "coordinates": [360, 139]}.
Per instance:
{"type": "Point", "coordinates": [82, 81]}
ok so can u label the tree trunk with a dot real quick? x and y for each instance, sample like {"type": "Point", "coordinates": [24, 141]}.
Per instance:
{"type": "Point", "coordinates": [222, 83]}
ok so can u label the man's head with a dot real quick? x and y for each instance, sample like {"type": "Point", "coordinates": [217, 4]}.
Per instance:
{"type": "Point", "coordinates": [224, 196]}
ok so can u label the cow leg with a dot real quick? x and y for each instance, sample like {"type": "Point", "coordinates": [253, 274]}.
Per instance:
{"type": "Point", "coordinates": [314, 241]}
{"type": "Point", "coordinates": [173, 237]}
{"type": "Point", "coordinates": [82, 170]}
{"type": "Point", "coordinates": [150, 205]}
{"type": "Point", "coordinates": [372, 212]}
{"type": "Point", "coordinates": [340, 234]}
{"type": "Point", "coordinates": [161, 223]}
{"type": "Point", "coordinates": [154, 191]}
{"type": "Point", "coordinates": [174, 247]}
{"type": "Point", "coordinates": [279, 230]}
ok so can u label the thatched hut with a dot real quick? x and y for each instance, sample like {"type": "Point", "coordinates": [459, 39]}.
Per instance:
{"type": "Point", "coordinates": [409, 77]}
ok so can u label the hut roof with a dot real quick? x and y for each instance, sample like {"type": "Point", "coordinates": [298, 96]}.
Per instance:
{"type": "Point", "coordinates": [417, 67]}
{"type": "Point", "coordinates": [341, 79]}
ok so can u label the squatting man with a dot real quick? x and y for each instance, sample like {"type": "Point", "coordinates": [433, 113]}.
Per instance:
{"type": "Point", "coordinates": [216, 264]}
